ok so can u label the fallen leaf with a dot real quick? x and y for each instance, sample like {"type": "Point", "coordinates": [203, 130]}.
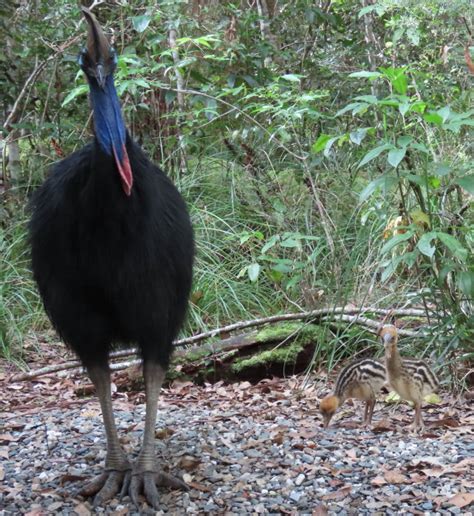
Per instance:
{"type": "Point", "coordinates": [188, 462]}
{"type": "Point", "coordinates": [70, 478]}
{"type": "Point", "coordinates": [163, 433]}
{"type": "Point", "coordinates": [82, 510]}
{"type": "Point", "coordinates": [395, 477]}
{"type": "Point", "coordinates": [187, 478]}
{"type": "Point", "coordinates": [462, 499]}
{"type": "Point", "coordinates": [382, 426]}
{"type": "Point", "coordinates": [7, 438]}
{"type": "Point", "coordinates": [320, 510]}
{"type": "Point", "coordinates": [278, 438]}
{"type": "Point", "coordinates": [392, 397]}
{"type": "Point", "coordinates": [352, 453]}
{"type": "Point", "coordinates": [200, 487]}
{"type": "Point", "coordinates": [449, 422]}
{"type": "Point", "coordinates": [433, 399]}
{"type": "Point", "coordinates": [340, 493]}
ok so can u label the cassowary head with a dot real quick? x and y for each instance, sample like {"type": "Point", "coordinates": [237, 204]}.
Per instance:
{"type": "Point", "coordinates": [389, 337]}
{"type": "Point", "coordinates": [98, 61]}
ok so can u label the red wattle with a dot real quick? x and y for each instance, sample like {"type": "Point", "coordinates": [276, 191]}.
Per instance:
{"type": "Point", "coordinates": [125, 170]}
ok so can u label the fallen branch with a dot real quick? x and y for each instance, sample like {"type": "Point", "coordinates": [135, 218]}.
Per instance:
{"type": "Point", "coordinates": [345, 314]}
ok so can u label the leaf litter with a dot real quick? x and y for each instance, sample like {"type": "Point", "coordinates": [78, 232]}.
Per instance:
{"type": "Point", "coordinates": [240, 447]}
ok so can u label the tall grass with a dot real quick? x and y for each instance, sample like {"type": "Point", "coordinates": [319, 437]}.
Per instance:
{"type": "Point", "coordinates": [20, 306]}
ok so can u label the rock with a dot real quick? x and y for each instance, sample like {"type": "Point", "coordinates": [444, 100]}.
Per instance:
{"type": "Point", "coordinates": [300, 479]}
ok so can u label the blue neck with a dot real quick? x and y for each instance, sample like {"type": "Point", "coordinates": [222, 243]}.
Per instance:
{"type": "Point", "coordinates": [109, 126]}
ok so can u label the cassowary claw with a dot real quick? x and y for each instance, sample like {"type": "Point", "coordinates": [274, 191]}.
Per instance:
{"type": "Point", "coordinates": [105, 486]}
{"type": "Point", "coordinates": [146, 482]}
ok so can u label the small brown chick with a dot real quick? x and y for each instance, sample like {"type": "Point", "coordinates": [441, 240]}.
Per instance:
{"type": "Point", "coordinates": [412, 379]}
{"type": "Point", "coordinates": [362, 380]}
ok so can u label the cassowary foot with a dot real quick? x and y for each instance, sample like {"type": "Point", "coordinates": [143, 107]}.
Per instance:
{"type": "Point", "coordinates": [107, 485]}
{"type": "Point", "coordinates": [146, 482]}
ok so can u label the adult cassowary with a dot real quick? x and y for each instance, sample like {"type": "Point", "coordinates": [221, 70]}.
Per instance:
{"type": "Point", "coordinates": [112, 253]}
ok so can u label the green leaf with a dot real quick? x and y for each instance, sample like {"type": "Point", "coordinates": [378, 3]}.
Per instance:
{"type": "Point", "coordinates": [404, 108]}
{"type": "Point", "coordinates": [270, 243]}
{"type": "Point", "coordinates": [433, 399]}
{"type": "Point", "coordinates": [329, 144]}
{"type": "Point", "coordinates": [370, 99]}
{"type": "Point", "coordinates": [424, 244]}
{"type": "Point", "coordinates": [444, 113]}
{"type": "Point", "coordinates": [355, 107]}
{"type": "Point", "coordinates": [421, 147]}
{"type": "Point", "coordinates": [291, 242]}
{"type": "Point", "coordinates": [397, 78]}
{"type": "Point", "coordinates": [392, 397]}
{"type": "Point", "coordinates": [420, 218]}
{"type": "Point", "coordinates": [291, 77]}
{"type": "Point", "coordinates": [358, 135]}
{"type": "Point", "coordinates": [453, 245]}
{"type": "Point", "coordinates": [433, 118]}
{"type": "Point", "coordinates": [76, 92]}
{"type": "Point", "coordinates": [386, 181]}
{"type": "Point", "coordinates": [396, 240]}
{"type": "Point", "coordinates": [367, 74]}
{"type": "Point", "coordinates": [320, 144]}
{"type": "Point", "coordinates": [466, 283]}
{"type": "Point", "coordinates": [140, 23]}
{"type": "Point", "coordinates": [395, 156]}
{"type": "Point", "coordinates": [404, 141]}
{"type": "Point", "coordinates": [367, 9]}
{"type": "Point", "coordinates": [466, 182]}
{"type": "Point", "coordinates": [391, 268]}
{"type": "Point", "coordinates": [253, 271]}
{"type": "Point", "coordinates": [418, 106]}
{"type": "Point", "coordinates": [372, 154]}
{"type": "Point", "coordinates": [441, 169]}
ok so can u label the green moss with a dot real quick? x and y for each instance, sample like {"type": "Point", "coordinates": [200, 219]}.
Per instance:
{"type": "Point", "coordinates": [282, 354]}
{"type": "Point", "coordinates": [299, 335]}
{"type": "Point", "coordinates": [297, 331]}
{"type": "Point", "coordinates": [192, 356]}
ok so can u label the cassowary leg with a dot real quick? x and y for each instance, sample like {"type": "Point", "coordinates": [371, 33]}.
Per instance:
{"type": "Point", "coordinates": [146, 473]}
{"type": "Point", "coordinates": [418, 425]}
{"type": "Point", "coordinates": [117, 468]}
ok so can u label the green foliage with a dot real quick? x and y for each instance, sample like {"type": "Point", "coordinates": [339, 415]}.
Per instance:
{"type": "Point", "coordinates": [319, 169]}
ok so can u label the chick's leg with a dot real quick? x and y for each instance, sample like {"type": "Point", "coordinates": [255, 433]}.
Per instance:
{"type": "Point", "coordinates": [369, 410]}
{"type": "Point", "coordinates": [146, 473]}
{"type": "Point", "coordinates": [117, 467]}
{"type": "Point", "coordinates": [418, 424]}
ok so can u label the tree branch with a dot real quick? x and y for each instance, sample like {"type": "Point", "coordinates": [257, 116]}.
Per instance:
{"type": "Point", "coordinates": [345, 314]}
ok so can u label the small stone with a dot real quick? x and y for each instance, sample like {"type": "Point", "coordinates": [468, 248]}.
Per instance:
{"type": "Point", "coordinates": [295, 496]}
{"type": "Point", "coordinates": [300, 479]}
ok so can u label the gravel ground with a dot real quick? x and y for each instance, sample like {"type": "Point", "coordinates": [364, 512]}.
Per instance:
{"type": "Point", "coordinates": [244, 449]}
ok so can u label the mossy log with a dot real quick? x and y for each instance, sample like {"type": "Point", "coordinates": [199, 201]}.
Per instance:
{"type": "Point", "coordinates": [277, 350]}
{"type": "Point", "coordinates": [280, 350]}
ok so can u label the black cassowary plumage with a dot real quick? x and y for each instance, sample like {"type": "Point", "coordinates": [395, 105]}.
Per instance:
{"type": "Point", "coordinates": [112, 254]}
{"type": "Point", "coordinates": [112, 269]}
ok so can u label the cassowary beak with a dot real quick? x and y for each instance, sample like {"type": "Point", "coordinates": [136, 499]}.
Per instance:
{"type": "Point", "coordinates": [100, 58]}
